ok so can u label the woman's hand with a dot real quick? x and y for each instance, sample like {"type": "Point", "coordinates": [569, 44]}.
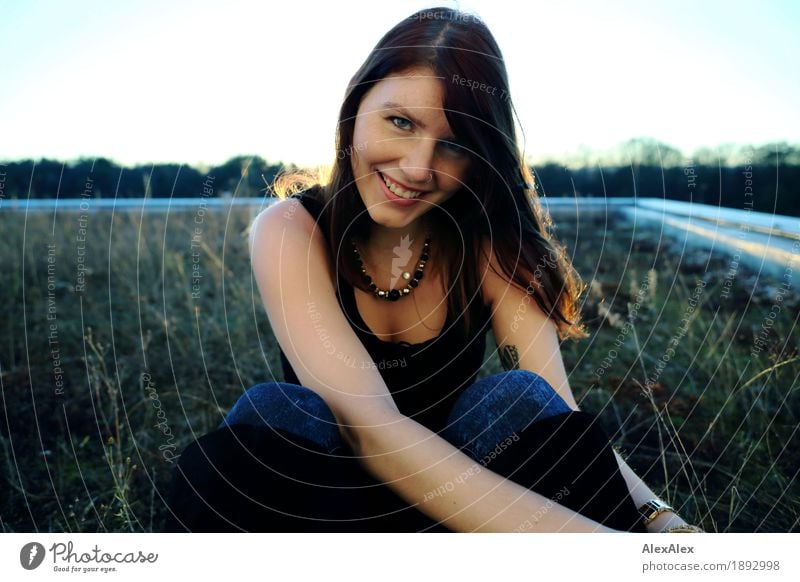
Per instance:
{"type": "Point", "coordinates": [666, 521]}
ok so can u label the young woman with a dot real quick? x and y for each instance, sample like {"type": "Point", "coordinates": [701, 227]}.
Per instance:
{"type": "Point", "coordinates": [380, 286]}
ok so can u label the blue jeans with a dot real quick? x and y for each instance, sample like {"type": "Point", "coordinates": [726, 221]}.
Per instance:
{"type": "Point", "coordinates": [485, 414]}
{"type": "Point", "coordinates": [242, 477]}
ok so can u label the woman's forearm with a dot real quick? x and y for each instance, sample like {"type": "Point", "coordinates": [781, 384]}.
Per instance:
{"type": "Point", "coordinates": [448, 486]}
{"type": "Point", "coordinates": [641, 494]}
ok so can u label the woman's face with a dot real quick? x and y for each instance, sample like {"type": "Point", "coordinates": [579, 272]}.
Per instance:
{"type": "Point", "coordinates": [402, 138]}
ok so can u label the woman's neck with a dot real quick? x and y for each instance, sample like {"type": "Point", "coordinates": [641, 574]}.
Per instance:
{"type": "Point", "coordinates": [386, 244]}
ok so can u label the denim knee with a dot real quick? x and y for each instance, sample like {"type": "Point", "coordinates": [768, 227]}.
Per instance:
{"type": "Point", "coordinates": [498, 406]}
{"type": "Point", "coordinates": [290, 407]}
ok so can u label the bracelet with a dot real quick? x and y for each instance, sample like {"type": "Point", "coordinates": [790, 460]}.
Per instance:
{"type": "Point", "coordinates": [686, 528]}
{"type": "Point", "coordinates": [652, 509]}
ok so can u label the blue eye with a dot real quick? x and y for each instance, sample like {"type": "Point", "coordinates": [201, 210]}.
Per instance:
{"type": "Point", "coordinates": [400, 122]}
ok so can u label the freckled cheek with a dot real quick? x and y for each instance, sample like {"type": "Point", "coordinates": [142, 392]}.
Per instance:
{"type": "Point", "coordinates": [360, 159]}
{"type": "Point", "coordinates": [359, 132]}
{"type": "Point", "coordinates": [372, 146]}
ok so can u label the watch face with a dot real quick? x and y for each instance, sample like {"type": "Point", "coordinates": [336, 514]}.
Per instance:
{"type": "Point", "coordinates": [652, 509]}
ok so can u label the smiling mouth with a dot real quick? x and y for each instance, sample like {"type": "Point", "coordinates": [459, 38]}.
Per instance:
{"type": "Point", "coordinates": [398, 190]}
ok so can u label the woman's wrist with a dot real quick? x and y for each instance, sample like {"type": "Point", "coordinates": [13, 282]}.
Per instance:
{"type": "Point", "coordinates": [660, 517]}
{"type": "Point", "coordinates": [665, 521]}
{"type": "Point", "coordinates": [684, 529]}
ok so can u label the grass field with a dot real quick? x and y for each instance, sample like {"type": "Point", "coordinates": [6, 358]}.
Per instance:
{"type": "Point", "coordinates": [126, 336]}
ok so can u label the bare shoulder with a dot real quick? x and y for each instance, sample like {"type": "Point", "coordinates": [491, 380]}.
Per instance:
{"type": "Point", "coordinates": [287, 230]}
{"type": "Point", "coordinates": [495, 284]}
{"type": "Point", "coordinates": [493, 280]}
{"type": "Point", "coordinates": [286, 213]}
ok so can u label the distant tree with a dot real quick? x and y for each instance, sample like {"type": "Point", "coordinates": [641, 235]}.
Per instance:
{"type": "Point", "coordinates": [646, 151]}
{"type": "Point", "coordinates": [245, 175]}
{"type": "Point", "coordinates": [774, 154]}
{"type": "Point", "coordinates": [553, 179]}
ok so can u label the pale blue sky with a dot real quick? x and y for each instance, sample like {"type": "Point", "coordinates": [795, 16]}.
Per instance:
{"type": "Point", "coordinates": [201, 81]}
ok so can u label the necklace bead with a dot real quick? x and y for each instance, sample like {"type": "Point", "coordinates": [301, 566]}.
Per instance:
{"type": "Point", "coordinates": [413, 279]}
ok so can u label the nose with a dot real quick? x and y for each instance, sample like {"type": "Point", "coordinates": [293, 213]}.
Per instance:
{"type": "Point", "coordinates": [417, 163]}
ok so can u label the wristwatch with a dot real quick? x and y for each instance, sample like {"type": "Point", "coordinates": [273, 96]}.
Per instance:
{"type": "Point", "coordinates": [652, 509]}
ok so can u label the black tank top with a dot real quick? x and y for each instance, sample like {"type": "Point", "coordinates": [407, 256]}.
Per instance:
{"type": "Point", "coordinates": [426, 378]}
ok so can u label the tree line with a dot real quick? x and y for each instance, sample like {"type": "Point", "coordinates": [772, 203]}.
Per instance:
{"type": "Point", "coordinates": [102, 178]}
{"type": "Point", "coordinates": [768, 177]}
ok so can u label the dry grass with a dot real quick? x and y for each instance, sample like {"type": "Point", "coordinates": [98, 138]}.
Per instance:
{"type": "Point", "coordinates": [147, 368]}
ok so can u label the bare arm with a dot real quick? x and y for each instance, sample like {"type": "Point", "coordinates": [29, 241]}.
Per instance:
{"type": "Point", "coordinates": [295, 280]}
{"type": "Point", "coordinates": [528, 339]}
{"type": "Point", "coordinates": [448, 486]}
{"type": "Point", "coordinates": [641, 494]}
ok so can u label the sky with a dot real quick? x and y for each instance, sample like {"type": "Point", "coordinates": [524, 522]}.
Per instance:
{"type": "Point", "coordinates": [199, 82]}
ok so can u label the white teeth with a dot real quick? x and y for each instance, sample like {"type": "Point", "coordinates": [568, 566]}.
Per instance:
{"type": "Point", "coordinates": [397, 190]}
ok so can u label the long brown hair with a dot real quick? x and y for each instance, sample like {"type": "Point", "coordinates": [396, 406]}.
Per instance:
{"type": "Point", "coordinates": [499, 201]}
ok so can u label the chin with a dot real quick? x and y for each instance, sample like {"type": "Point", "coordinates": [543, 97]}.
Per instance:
{"type": "Point", "coordinates": [382, 216]}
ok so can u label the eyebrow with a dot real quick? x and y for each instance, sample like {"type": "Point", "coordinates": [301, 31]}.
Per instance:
{"type": "Point", "coordinates": [404, 111]}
